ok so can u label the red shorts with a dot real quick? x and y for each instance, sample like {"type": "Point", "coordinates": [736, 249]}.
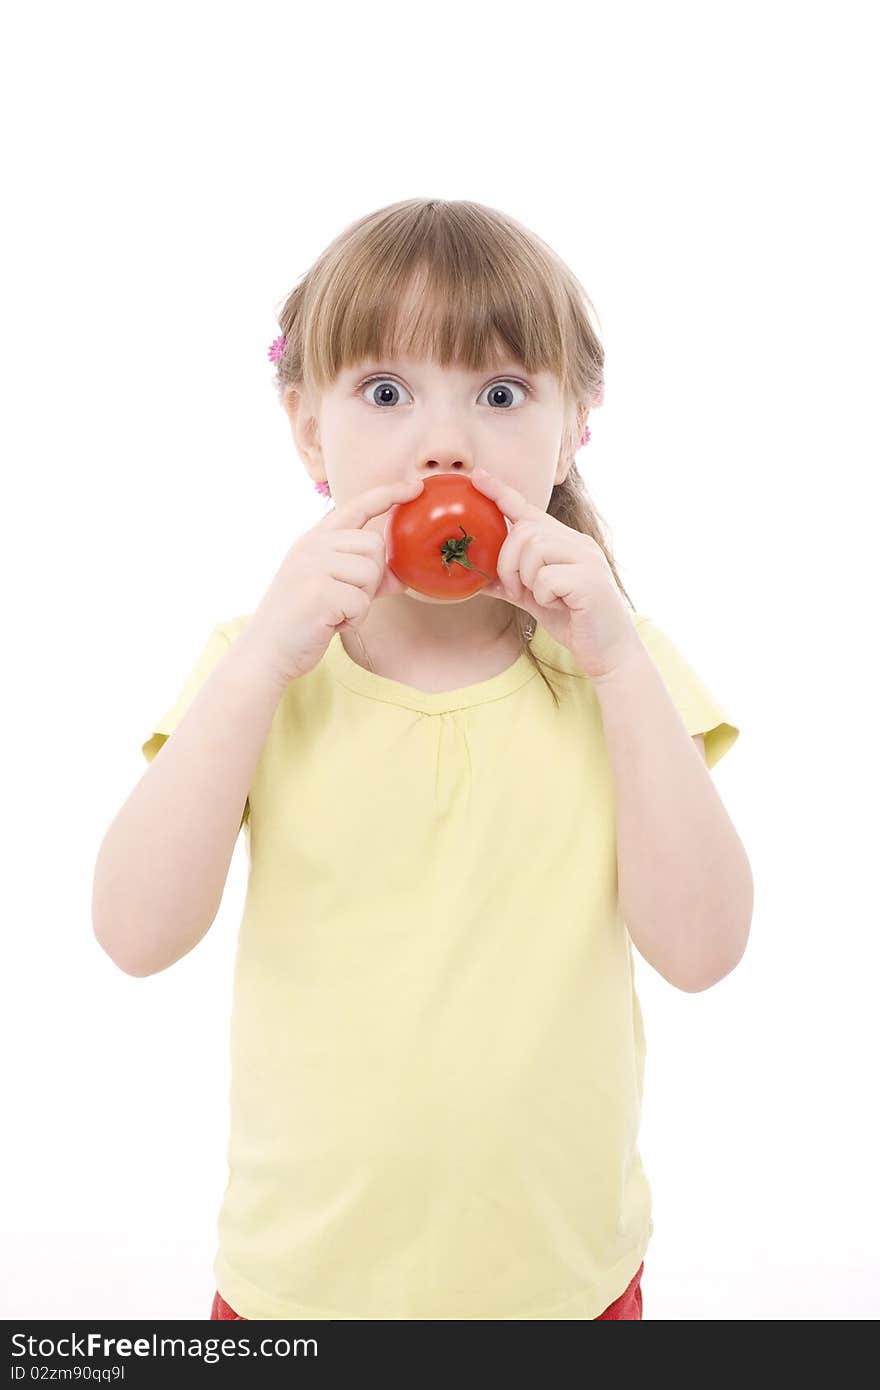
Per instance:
{"type": "Point", "coordinates": [626, 1308]}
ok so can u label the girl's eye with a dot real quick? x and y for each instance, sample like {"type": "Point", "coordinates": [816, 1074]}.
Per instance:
{"type": "Point", "coordinates": [384, 397]}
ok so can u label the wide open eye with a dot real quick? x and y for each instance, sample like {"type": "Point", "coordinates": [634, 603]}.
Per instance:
{"type": "Point", "coordinates": [498, 388]}
{"type": "Point", "coordinates": [379, 397]}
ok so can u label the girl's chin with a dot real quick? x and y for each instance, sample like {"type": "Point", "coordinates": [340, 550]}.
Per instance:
{"type": "Point", "coordinates": [423, 598]}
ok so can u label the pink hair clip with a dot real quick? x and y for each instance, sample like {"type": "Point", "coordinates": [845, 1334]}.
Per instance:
{"type": "Point", "coordinates": [323, 487]}
{"type": "Point", "coordinates": [585, 437]}
{"type": "Point", "coordinates": [276, 349]}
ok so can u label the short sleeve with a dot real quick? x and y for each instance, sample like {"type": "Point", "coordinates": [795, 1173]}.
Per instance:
{"type": "Point", "coordinates": [216, 646]}
{"type": "Point", "coordinates": [700, 710]}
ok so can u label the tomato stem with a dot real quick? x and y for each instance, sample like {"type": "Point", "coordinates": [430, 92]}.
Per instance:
{"type": "Point", "coordinates": [454, 551]}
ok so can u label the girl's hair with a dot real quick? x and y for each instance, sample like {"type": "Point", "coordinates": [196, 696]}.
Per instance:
{"type": "Point", "coordinates": [483, 286]}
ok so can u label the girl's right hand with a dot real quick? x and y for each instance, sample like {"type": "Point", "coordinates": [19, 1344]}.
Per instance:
{"type": "Point", "coordinates": [327, 581]}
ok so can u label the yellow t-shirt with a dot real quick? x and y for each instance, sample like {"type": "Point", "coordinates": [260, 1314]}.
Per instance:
{"type": "Point", "coordinates": [437, 1048]}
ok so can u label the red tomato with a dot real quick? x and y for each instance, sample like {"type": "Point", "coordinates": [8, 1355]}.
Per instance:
{"type": "Point", "coordinates": [445, 542]}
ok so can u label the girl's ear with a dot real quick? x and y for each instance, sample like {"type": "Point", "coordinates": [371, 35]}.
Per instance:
{"type": "Point", "coordinates": [303, 427]}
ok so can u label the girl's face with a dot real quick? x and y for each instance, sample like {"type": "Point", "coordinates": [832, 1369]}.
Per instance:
{"type": "Point", "coordinates": [384, 421]}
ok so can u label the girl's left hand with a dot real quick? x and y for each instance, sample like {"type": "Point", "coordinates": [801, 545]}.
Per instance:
{"type": "Point", "coordinates": [562, 578]}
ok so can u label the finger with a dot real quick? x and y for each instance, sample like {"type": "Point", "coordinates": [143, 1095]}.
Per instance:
{"type": "Point", "coordinates": [506, 498]}
{"type": "Point", "coordinates": [508, 564]}
{"type": "Point", "coordinates": [361, 509]}
{"type": "Point", "coordinates": [557, 585]}
{"type": "Point", "coordinates": [543, 547]}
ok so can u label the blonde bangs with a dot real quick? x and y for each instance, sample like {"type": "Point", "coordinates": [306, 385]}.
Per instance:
{"type": "Point", "coordinates": [446, 309]}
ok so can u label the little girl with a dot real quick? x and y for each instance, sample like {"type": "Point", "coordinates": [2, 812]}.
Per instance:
{"type": "Point", "coordinates": [437, 1048]}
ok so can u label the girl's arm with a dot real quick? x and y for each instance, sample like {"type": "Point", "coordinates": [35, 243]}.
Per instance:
{"type": "Point", "coordinates": [685, 883]}
{"type": "Point", "coordinates": [163, 863]}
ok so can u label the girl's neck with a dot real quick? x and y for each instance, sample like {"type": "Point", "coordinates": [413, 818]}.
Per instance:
{"type": "Point", "coordinates": [431, 662]}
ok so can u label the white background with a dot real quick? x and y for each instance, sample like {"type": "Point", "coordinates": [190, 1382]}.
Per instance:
{"type": "Point", "coordinates": [170, 172]}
